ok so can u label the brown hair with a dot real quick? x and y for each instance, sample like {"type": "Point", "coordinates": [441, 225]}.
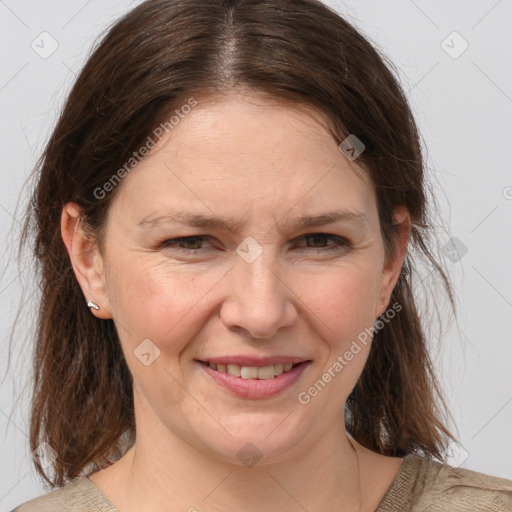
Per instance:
{"type": "Point", "coordinates": [151, 60]}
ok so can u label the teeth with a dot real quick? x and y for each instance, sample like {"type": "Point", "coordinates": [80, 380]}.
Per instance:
{"type": "Point", "coordinates": [266, 372]}
{"type": "Point", "coordinates": [234, 369]}
{"type": "Point", "coordinates": [248, 372]}
{"type": "Point", "coordinates": [253, 372]}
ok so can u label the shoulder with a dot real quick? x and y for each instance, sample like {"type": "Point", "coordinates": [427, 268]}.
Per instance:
{"type": "Point", "coordinates": [426, 485]}
{"type": "Point", "coordinates": [79, 495]}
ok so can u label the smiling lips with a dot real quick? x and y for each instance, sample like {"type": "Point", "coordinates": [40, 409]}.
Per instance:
{"type": "Point", "coordinates": [254, 376]}
{"type": "Point", "coordinates": [261, 380]}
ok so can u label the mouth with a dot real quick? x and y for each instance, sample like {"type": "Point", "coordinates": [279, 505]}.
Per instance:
{"type": "Point", "coordinates": [269, 371]}
{"type": "Point", "coordinates": [253, 378]}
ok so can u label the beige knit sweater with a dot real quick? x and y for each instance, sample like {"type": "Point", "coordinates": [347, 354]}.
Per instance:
{"type": "Point", "coordinates": [421, 485]}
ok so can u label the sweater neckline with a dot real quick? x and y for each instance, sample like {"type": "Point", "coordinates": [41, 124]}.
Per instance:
{"type": "Point", "coordinates": [396, 495]}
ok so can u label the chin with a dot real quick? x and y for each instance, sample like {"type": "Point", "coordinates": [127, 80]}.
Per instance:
{"type": "Point", "coordinates": [257, 438]}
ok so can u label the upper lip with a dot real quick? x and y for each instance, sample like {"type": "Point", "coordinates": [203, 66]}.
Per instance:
{"type": "Point", "coordinates": [255, 361]}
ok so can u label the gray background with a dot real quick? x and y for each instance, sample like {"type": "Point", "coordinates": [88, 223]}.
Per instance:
{"type": "Point", "coordinates": [463, 106]}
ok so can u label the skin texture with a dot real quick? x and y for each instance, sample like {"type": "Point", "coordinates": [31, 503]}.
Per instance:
{"type": "Point", "coordinates": [261, 165]}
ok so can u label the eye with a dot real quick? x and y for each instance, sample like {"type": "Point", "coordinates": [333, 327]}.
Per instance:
{"type": "Point", "coordinates": [318, 238]}
{"type": "Point", "coordinates": [184, 240]}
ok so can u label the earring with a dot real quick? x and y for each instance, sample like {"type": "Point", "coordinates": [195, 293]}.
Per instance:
{"type": "Point", "coordinates": [92, 304]}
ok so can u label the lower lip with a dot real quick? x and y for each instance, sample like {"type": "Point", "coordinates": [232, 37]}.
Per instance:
{"type": "Point", "coordinates": [256, 388]}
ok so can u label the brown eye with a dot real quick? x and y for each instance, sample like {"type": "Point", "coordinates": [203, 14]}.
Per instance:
{"type": "Point", "coordinates": [185, 243]}
{"type": "Point", "coordinates": [317, 239]}
{"type": "Point", "coordinates": [320, 241]}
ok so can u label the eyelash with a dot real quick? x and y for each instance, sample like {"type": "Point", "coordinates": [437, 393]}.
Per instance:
{"type": "Point", "coordinates": [340, 243]}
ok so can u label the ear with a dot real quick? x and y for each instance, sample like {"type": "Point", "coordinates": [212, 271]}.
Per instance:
{"type": "Point", "coordinates": [86, 260]}
{"type": "Point", "coordinates": [393, 265]}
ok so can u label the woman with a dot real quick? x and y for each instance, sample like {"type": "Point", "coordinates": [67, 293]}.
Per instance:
{"type": "Point", "coordinates": [227, 322]}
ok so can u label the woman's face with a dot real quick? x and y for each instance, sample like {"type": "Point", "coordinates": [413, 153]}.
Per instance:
{"type": "Point", "coordinates": [265, 289]}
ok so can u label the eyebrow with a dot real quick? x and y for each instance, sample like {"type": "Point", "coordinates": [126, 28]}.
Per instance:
{"type": "Point", "coordinates": [208, 221]}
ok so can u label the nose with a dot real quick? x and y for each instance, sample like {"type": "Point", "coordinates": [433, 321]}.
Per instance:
{"type": "Point", "coordinates": [259, 302]}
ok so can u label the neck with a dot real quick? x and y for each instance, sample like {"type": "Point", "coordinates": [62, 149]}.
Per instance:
{"type": "Point", "coordinates": [163, 472]}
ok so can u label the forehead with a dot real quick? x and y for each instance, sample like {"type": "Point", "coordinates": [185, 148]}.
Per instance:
{"type": "Point", "coordinates": [242, 156]}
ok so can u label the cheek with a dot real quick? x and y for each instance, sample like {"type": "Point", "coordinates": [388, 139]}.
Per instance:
{"type": "Point", "coordinates": [161, 303]}
{"type": "Point", "coordinates": [343, 305]}
{"type": "Point", "coordinates": [164, 307]}
{"type": "Point", "coordinates": [342, 299]}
